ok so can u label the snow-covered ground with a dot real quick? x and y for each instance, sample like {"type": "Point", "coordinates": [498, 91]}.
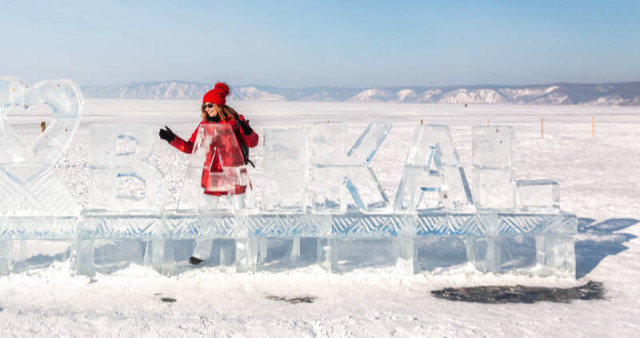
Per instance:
{"type": "Point", "coordinates": [599, 179]}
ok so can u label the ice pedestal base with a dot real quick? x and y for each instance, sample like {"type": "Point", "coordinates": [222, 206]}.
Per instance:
{"type": "Point", "coordinates": [101, 242]}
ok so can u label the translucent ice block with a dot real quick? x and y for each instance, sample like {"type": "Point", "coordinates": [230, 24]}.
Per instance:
{"type": "Point", "coordinates": [538, 195]}
{"type": "Point", "coordinates": [494, 189]}
{"type": "Point", "coordinates": [419, 189]}
{"type": "Point", "coordinates": [286, 172]}
{"type": "Point", "coordinates": [428, 136]}
{"type": "Point", "coordinates": [368, 143]}
{"type": "Point", "coordinates": [338, 175]}
{"type": "Point", "coordinates": [433, 177]}
{"type": "Point", "coordinates": [121, 151]}
{"type": "Point", "coordinates": [328, 143]}
{"type": "Point", "coordinates": [556, 255]}
{"type": "Point", "coordinates": [492, 147]}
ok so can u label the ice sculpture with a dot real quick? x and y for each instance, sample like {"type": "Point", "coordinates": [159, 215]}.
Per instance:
{"type": "Point", "coordinates": [492, 148]}
{"type": "Point", "coordinates": [285, 173]}
{"type": "Point", "coordinates": [336, 173]}
{"type": "Point", "coordinates": [341, 221]}
{"type": "Point", "coordinates": [433, 177]}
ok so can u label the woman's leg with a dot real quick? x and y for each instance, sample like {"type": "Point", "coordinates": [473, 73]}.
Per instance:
{"type": "Point", "coordinates": [202, 249]}
{"type": "Point", "coordinates": [238, 202]}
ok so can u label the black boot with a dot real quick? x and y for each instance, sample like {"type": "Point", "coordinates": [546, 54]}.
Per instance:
{"type": "Point", "coordinates": [195, 260]}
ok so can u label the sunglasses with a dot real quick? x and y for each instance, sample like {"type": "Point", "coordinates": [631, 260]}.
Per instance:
{"type": "Point", "coordinates": [208, 105]}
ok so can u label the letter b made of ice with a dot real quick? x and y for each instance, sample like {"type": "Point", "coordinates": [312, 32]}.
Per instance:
{"type": "Point", "coordinates": [121, 177]}
{"type": "Point", "coordinates": [345, 181]}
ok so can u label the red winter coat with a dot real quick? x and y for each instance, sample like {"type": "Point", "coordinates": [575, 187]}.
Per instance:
{"type": "Point", "coordinates": [187, 147]}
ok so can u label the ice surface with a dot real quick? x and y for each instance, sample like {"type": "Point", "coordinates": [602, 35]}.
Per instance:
{"type": "Point", "coordinates": [213, 141]}
{"type": "Point", "coordinates": [433, 177]}
{"type": "Point", "coordinates": [119, 155]}
{"type": "Point", "coordinates": [538, 195]}
{"type": "Point", "coordinates": [337, 173]}
{"type": "Point", "coordinates": [286, 171]}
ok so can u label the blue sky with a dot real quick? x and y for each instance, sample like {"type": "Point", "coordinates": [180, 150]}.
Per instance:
{"type": "Point", "coordinates": [322, 43]}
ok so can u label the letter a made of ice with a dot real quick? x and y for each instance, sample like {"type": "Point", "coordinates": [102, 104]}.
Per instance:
{"type": "Point", "coordinates": [433, 177]}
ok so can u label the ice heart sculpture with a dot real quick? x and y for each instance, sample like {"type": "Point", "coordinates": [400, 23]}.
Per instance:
{"type": "Point", "coordinates": [28, 185]}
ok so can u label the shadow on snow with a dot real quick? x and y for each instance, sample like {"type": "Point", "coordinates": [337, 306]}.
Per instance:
{"type": "Point", "coordinates": [595, 241]}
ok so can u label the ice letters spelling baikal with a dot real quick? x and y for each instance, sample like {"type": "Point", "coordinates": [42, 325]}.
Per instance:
{"type": "Point", "coordinates": [319, 200]}
{"type": "Point", "coordinates": [35, 204]}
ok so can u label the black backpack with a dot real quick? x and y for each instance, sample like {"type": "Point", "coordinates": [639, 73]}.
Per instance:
{"type": "Point", "coordinates": [245, 153]}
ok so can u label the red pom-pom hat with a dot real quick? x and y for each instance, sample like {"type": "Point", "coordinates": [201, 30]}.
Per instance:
{"type": "Point", "coordinates": [217, 95]}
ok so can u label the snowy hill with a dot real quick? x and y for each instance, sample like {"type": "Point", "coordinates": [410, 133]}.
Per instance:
{"type": "Point", "coordinates": [621, 94]}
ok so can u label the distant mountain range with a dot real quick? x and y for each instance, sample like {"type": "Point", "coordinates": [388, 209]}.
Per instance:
{"type": "Point", "coordinates": [621, 94]}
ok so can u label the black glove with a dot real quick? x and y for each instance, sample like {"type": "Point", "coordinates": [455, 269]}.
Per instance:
{"type": "Point", "coordinates": [244, 127]}
{"type": "Point", "coordinates": [167, 134]}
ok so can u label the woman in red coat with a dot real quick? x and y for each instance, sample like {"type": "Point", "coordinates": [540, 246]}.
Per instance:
{"type": "Point", "coordinates": [215, 111]}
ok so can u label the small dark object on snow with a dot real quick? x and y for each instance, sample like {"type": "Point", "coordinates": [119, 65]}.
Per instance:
{"type": "Point", "coordinates": [521, 294]}
{"type": "Point", "coordinates": [293, 300]}
{"type": "Point", "coordinates": [168, 300]}
{"type": "Point", "coordinates": [195, 260]}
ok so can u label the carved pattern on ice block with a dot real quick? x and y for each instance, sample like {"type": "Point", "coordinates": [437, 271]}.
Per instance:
{"type": "Point", "coordinates": [450, 224]}
{"type": "Point", "coordinates": [121, 226]}
{"type": "Point", "coordinates": [287, 225]}
{"type": "Point", "coordinates": [372, 225]}
{"type": "Point", "coordinates": [206, 226]}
